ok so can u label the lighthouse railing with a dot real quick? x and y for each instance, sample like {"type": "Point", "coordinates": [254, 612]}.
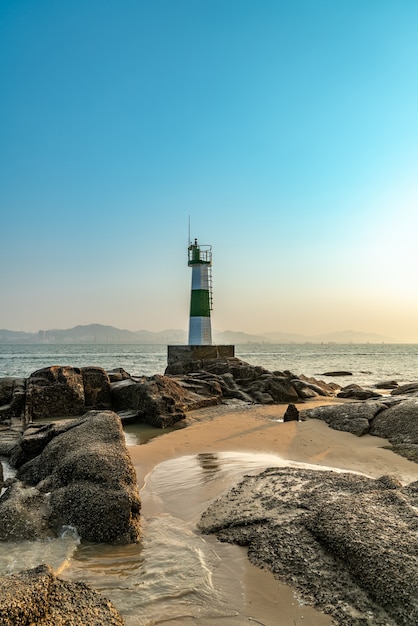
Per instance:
{"type": "Point", "coordinates": [200, 254]}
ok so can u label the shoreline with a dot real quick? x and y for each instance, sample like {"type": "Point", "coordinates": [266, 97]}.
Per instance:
{"type": "Point", "coordinates": [255, 428]}
{"type": "Point", "coordinates": [237, 427]}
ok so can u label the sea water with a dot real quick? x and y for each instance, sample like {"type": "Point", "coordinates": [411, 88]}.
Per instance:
{"type": "Point", "coordinates": [174, 575]}
{"type": "Point", "coordinates": [368, 363]}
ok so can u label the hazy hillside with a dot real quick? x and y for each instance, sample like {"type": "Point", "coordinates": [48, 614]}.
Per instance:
{"type": "Point", "coordinates": [99, 333]}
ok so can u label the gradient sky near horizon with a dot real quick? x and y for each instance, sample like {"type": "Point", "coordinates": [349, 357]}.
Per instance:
{"type": "Point", "coordinates": [287, 131]}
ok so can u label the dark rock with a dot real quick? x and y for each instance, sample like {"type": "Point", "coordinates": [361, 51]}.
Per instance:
{"type": "Point", "coordinates": [409, 389]}
{"type": "Point", "coordinates": [387, 384]}
{"type": "Point", "coordinates": [37, 596]}
{"type": "Point", "coordinates": [163, 400]}
{"type": "Point", "coordinates": [279, 389]}
{"type": "Point", "coordinates": [35, 438]}
{"type": "Point", "coordinates": [83, 477]}
{"type": "Point", "coordinates": [353, 417]}
{"type": "Point", "coordinates": [347, 542]}
{"type": "Point", "coordinates": [12, 397]}
{"type": "Point", "coordinates": [337, 373]}
{"type": "Point", "coordinates": [398, 423]}
{"type": "Point", "coordinates": [291, 414]}
{"type": "Point", "coordinates": [357, 393]}
{"type": "Point", "coordinates": [55, 391]}
{"type": "Point", "coordinates": [117, 374]}
{"type": "Point", "coordinates": [305, 390]}
{"type": "Point", "coordinates": [96, 386]}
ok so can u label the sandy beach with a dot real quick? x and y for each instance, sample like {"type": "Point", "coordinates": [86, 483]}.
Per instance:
{"type": "Point", "coordinates": [240, 427]}
{"type": "Point", "coordinates": [257, 428]}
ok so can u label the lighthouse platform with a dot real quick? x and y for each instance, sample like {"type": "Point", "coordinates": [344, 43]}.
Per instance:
{"type": "Point", "coordinates": [182, 354]}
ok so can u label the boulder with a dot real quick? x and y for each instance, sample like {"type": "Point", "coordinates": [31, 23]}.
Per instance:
{"type": "Point", "coordinates": [34, 439]}
{"type": "Point", "coordinates": [356, 392]}
{"type": "Point", "coordinates": [163, 400]}
{"type": "Point", "coordinates": [55, 391]}
{"type": "Point", "coordinates": [12, 397]}
{"type": "Point", "coordinates": [291, 414]}
{"type": "Point", "coordinates": [337, 373]}
{"type": "Point", "coordinates": [353, 417]}
{"type": "Point", "coordinates": [408, 389]}
{"type": "Point", "coordinates": [387, 384]}
{"type": "Point", "coordinates": [37, 596]}
{"type": "Point", "coordinates": [321, 387]}
{"type": "Point", "coordinates": [250, 383]}
{"type": "Point", "coordinates": [6, 390]}
{"type": "Point", "coordinates": [398, 423]}
{"type": "Point", "coordinates": [96, 384]}
{"type": "Point", "coordinates": [82, 477]}
{"type": "Point", "coordinates": [117, 374]}
{"type": "Point", "coordinates": [63, 391]}
{"type": "Point", "coordinates": [348, 543]}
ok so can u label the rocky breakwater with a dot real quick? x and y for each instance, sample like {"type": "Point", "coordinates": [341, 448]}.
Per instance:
{"type": "Point", "coordinates": [37, 596]}
{"type": "Point", "coordinates": [393, 417]}
{"type": "Point", "coordinates": [348, 543]}
{"type": "Point", "coordinates": [72, 473]}
{"type": "Point", "coordinates": [234, 378]}
{"type": "Point", "coordinates": [65, 391]}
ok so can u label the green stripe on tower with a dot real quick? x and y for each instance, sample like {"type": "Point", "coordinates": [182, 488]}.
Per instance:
{"type": "Point", "coordinates": [199, 303]}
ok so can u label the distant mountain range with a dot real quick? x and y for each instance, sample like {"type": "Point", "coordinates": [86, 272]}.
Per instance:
{"type": "Point", "coordinates": [98, 333]}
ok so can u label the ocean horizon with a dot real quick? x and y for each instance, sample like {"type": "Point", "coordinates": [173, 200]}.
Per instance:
{"type": "Point", "coordinates": [368, 363]}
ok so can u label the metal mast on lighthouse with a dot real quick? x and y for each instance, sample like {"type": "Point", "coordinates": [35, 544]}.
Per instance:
{"type": "Point", "coordinates": [200, 260]}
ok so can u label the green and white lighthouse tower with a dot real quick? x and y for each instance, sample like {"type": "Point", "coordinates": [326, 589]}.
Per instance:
{"type": "Point", "coordinates": [200, 260]}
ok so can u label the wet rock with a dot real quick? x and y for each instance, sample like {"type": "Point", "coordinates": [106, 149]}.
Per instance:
{"type": "Point", "coordinates": [356, 392]}
{"type": "Point", "coordinates": [83, 477]}
{"type": "Point", "coordinates": [347, 542]}
{"type": "Point", "coordinates": [37, 596]}
{"type": "Point", "coordinates": [291, 414]}
{"type": "Point", "coordinates": [352, 417]}
{"type": "Point", "coordinates": [24, 514]}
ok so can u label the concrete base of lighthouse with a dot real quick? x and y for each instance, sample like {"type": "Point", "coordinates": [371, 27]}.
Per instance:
{"type": "Point", "coordinates": [183, 354]}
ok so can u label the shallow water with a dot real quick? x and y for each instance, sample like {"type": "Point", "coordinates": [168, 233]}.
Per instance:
{"type": "Point", "coordinates": [175, 575]}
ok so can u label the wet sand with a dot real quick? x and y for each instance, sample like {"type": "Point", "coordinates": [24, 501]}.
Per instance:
{"type": "Point", "coordinates": [255, 428]}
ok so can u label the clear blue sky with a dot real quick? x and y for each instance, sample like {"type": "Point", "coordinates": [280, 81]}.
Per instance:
{"type": "Point", "coordinates": [288, 131]}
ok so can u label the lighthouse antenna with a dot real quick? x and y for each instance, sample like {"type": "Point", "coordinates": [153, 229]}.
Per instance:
{"type": "Point", "coordinates": [189, 232]}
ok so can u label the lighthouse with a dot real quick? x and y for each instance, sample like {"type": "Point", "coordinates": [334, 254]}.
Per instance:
{"type": "Point", "coordinates": [189, 358]}
{"type": "Point", "coordinates": [200, 260]}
